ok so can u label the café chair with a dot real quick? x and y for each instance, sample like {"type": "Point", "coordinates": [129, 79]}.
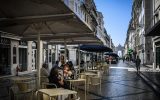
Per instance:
{"type": "Point", "coordinates": [22, 88]}
{"type": "Point", "coordinates": [95, 81]}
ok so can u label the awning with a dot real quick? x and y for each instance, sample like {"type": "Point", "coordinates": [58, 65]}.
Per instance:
{"type": "Point", "coordinates": [27, 18]}
{"type": "Point", "coordinates": [68, 38]}
{"type": "Point", "coordinates": [95, 48]}
{"type": "Point", "coordinates": [51, 16]}
{"type": "Point", "coordinates": [77, 40]}
{"type": "Point", "coordinates": [154, 31]}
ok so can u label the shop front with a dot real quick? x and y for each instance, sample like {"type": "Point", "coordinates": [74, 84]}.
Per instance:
{"type": "Point", "coordinates": [23, 55]}
{"type": "Point", "coordinates": [5, 56]}
{"type": "Point", "coordinates": [157, 44]}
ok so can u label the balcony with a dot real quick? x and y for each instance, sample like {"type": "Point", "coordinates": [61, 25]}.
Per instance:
{"type": "Point", "coordinates": [79, 8]}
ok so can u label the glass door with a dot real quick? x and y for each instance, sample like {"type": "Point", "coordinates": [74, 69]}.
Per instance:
{"type": "Point", "coordinates": [5, 57]}
{"type": "Point", "coordinates": [158, 57]}
{"type": "Point", "coordinates": [23, 59]}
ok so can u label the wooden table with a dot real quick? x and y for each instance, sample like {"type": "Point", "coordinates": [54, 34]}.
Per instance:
{"type": "Point", "coordinates": [94, 71]}
{"type": "Point", "coordinates": [55, 92]}
{"type": "Point", "coordinates": [20, 79]}
{"type": "Point", "coordinates": [78, 80]}
{"type": "Point", "coordinates": [89, 74]}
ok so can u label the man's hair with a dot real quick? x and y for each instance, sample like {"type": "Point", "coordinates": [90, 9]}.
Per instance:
{"type": "Point", "coordinates": [45, 65]}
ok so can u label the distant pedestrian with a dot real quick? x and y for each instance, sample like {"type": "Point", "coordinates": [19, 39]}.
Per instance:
{"type": "Point", "coordinates": [123, 59]}
{"type": "Point", "coordinates": [138, 62]}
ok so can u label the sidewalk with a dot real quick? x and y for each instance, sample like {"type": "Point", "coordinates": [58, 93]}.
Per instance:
{"type": "Point", "coordinates": [150, 76]}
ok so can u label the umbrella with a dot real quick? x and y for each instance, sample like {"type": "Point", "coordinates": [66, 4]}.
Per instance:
{"type": "Point", "coordinates": [95, 48]}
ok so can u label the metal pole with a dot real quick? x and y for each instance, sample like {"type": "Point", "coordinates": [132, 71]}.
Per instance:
{"type": "Point", "coordinates": [38, 60]}
{"type": "Point", "coordinates": [102, 58]}
{"type": "Point", "coordinates": [92, 61]}
{"type": "Point", "coordinates": [143, 57]}
{"type": "Point", "coordinates": [65, 52]}
{"type": "Point", "coordinates": [143, 47]}
{"type": "Point", "coordinates": [79, 58]}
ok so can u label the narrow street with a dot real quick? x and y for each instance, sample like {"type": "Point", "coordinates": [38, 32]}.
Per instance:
{"type": "Point", "coordinates": [79, 49]}
{"type": "Point", "coordinates": [123, 83]}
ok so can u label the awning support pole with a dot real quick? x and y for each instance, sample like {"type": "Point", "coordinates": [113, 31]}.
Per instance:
{"type": "Point", "coordinates": [38, 60]}
{"type": "Point", "coordinates": [79, 58]}
{"type": "Point", "coordinates": [65, 52]}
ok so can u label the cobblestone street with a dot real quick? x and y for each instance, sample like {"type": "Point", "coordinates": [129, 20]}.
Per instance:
{"type": "Point", "coordinates": [123, 83]}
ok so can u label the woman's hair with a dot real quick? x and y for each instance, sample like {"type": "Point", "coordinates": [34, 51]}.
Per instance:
{"type": "Point", "coordinates": [54, 72]}
{"type": "Point", "coordinates": [66, 66]}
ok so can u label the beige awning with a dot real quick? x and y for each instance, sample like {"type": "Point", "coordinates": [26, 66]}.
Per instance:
{"type": "Point", "coordinates": [77, 40]}
{"type": "Point", "coordinates": [44, 19]}
{"type": "Point", "coordinates": [51, 17]}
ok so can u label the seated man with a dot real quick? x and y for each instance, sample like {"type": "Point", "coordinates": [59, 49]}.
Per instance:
{"type": "Point", "coordinates": [44, 74]}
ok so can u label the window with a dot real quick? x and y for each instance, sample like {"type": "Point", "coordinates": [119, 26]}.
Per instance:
{"type": "Point", "coordinates": [50, 56]}
{"type": "Point", "coordinates": [5, 57]}
{"type": "Point", "coordinates": [76, 6]}
{"type": "Point", "coordinates": [14, 55]}
{"type": "Point", "coordinates": [23, 59]}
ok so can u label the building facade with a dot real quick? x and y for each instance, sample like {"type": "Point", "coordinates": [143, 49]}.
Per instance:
{"type": "Point", "coordinates": [154, 31]}
{"type": "Point", "coordinates": [140, 22]}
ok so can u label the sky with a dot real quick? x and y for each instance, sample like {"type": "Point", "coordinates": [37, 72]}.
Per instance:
{"type": "Point", "coordinates": [117, 14]}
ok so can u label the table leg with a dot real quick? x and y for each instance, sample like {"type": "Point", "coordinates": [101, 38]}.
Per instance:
{"type": "Point", "coordinates": [85, 89]}
{"type": "Point", "coordinates": [50, 98]}
{"type": "Point", "coordinates": [100, 86]}
{"type": "Point", "coordinates": [69, 97]}
{"type": "Point", "coordinates": [61, 97]}
{"type": "Point", "coordinates": [37, 95]}
{"type": "Point", "coordinates": [70, 85]}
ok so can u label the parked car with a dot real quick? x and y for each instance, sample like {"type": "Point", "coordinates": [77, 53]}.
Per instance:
{"type": "Point", "coordinates": [114, 60]}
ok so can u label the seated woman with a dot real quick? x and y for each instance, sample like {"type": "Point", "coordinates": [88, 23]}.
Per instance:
{"type": "Point", "coordinates": [67, 71]}
{"type": "Point", "coordinates": [57, 79]}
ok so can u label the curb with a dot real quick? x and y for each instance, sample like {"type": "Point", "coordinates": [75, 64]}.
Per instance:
{"type": "Point", "coordinates": [154, 86]}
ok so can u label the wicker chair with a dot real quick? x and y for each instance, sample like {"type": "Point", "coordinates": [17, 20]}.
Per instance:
{"type": "Point", "coordinates": [94, 81]}
{"type": "Point", "coordinates": [22, 88]}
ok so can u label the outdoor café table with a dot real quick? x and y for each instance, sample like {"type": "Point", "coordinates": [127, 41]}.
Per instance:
{"type": "Point", "coordinates": [72, 81]}
{"type": "Point", "coordinates": [55, 92]}
{"type": "Point", "coordinates": [89, 74]}
{"type": "Point", "coordinates": [94, 71]}
{"type": "Point", "coordinates": [18, 79]}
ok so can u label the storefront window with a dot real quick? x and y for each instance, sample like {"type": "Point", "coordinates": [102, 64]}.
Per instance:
{"type": "Point", "coordinates": [34, 55]}
{"type": "Point", "coordinates": [158, 57]}
{"type": "Point", "coordinates": [23, 55]}
{"type": "Point", "coordinates": [23, 59]}
{"type": "Point", "coordinates": [14, 55]}
{"type": "Point", "coordinates": [50, 56]}
{"type": "Point", "coordinates": [5, 57]}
